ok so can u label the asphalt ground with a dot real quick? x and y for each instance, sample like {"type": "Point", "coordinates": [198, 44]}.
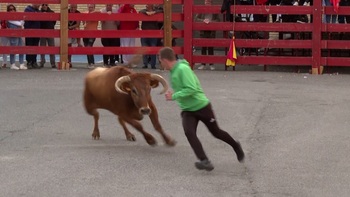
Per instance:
{"type": "Point", "coordinates": [294, 128]}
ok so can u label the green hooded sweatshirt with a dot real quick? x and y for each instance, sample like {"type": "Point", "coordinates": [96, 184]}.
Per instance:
{"type": "Point", "coordinates": [187, 89]}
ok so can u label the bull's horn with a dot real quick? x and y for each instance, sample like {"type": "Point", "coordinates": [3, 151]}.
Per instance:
{"type": "Point", "coordinates": [162, 81]}
{"type": "Point", "coordinates": [119, 82]}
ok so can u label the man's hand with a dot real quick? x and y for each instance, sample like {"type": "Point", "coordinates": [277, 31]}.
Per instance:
{"type": "Point", "coordinates": [169, 96]}
{"type": "Point", "coordinates": [150, 13]}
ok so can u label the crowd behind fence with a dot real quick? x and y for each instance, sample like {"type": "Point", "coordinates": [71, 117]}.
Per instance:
{"type": "Point", "coordinates": [274, 39]}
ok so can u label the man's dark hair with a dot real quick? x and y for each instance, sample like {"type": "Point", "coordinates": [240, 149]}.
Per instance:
{"type": "Point", "coordinates": [167, 53]}
{"type": "Point", "coordinates": [10, 7]}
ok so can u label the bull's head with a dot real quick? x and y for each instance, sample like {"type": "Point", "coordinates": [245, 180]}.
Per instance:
{"type": "Point", "coordinates": [138, 86]}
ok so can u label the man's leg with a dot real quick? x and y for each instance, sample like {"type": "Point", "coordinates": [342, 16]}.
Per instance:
{"type": "Point", "coordinates": [206, 115]}
{"type": "Point", "coordinates": [190, 123]}
{"type": "Point", "coordinates": [42, 56]}
{"type": "Point", "coordinates": [51, 43]}
{"type": "Point", "coordinates": [153, 43]}
{"type": "Point", "coordinates": [144, 43]}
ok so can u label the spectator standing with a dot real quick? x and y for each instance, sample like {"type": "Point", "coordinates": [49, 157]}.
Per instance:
{"type": "Point", "coordinates": [47, 41]}
{"type": "Point", "coordinates": [329, 18]}
{"type": "Point", "coordinates": [4, 42]}
{"type": "Point", "coordinates": [159, 8]}
{"type": "Point", "coordinates": [73, 25]}
{"type": "Point", "coordinates": [110, 59]}
{"type": "Point", "coordinates": [150, 42]}
{"type": "Point", "coordinates": [173, 41]}
{"type": "Point", "coordinates": [89, 42]}
{"type": "Point", "coordinates": [15, 41]}
{"type": "Point", "coordinates": [31, 41]}
{"type": "Point", "coordinates": [343, 18]}
{"type": "Point", "coordinates": [128, 25]}
{"type": "Point", "coordinates": [195, 107]}
{"type": "Point", "coordinates": [207, 19]}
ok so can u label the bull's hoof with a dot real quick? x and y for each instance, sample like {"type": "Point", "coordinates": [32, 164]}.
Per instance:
{"type": "Point", "coordinates": [152, 142]}
{"type": "Point", "coordinates": [171, 143]}
{"type": "Point", "coordinates": [131, 138]}
{"type": "Point", "coordinates": [95, 135]}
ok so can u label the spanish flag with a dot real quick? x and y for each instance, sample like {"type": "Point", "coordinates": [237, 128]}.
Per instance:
{"type": "Point", "coordinates": [231, 55]}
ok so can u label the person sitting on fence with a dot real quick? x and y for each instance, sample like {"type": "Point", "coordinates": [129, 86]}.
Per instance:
{"type": "Point", "coordinates": [47, 41]}
{"type": "Point", "coordinates": [15, 41]}
{"type": "Point", "coordinates": [149, 42]}
{"type": "Point", "coordinates": [128, 25]}
{"type": "Point", "coordinates": [73, 25]}
{"type": "Point", "coordinates": [207, 18]}
{"type": "Point", "coordinates": [110, 59]}
{"type": "Point", "coordinates": [32, 41]}
{"type": "Point", "coordinates": [89, 42]}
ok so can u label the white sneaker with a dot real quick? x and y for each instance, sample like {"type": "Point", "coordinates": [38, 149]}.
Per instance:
{"type": "Point", "coordinates": [201, 67]}
{"type": "Point", "coordinates": [23, 67]}
{"type": "Point", "coordinates": [14, 67]}
{"type": "Point", "coordinates": [91, 66]}
{"type": "Point", "coordinates": [212, 67]}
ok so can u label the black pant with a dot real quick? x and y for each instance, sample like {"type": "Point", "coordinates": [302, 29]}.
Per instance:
{"type": "Point", "coordinates": [206, 115]}
{"type": "Point", "coordinates": [110, 58]}
{"type": "Point", "coordinates": [31, 58]}
{"type": "Point", "coordinates": [89, 42]}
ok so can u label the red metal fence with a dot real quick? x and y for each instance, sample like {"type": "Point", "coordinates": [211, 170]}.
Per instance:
{"type": "Point", "coordinates": [321, 48]}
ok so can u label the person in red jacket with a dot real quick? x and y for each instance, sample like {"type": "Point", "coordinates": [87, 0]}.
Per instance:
{"type": "Point", "coordinates": [128, 25]}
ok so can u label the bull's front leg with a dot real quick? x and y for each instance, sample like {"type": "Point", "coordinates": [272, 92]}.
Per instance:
{"type": "Point", "coordinates": [156, 124]}
{"type": "Point", "coordinates": [129, 136]}
{"type": "Point", "coordinates": [148, 137]}
{"type": "Point", "coordinates": [96, 132]}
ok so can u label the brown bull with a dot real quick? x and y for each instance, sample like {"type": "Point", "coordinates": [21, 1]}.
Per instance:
{"type": "Point", "coordinates": [127, 95]}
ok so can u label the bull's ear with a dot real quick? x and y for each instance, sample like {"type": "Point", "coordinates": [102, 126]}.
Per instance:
{"type": "Point", "coordinates": [154, 83]}
{"type": "Point", "coordinates": [126, 87]}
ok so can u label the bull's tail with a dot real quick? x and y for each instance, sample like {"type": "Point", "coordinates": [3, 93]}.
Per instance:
{"type": "Point", "coordinates": [137, 58]}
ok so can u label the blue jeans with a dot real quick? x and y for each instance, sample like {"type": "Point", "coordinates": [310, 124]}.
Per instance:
{"type": "Point", "coordinates": [149, 42]}
{"type": "Point", "coordinates": [15, 41]}
{"type": "Point", "coordinates": [328, 18]}
{"type": "Point", "coordinates": [47, 42]}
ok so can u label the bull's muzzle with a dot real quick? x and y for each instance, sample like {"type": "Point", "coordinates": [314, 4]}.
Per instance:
{"type": "Point", "coordinates": [145, 111]}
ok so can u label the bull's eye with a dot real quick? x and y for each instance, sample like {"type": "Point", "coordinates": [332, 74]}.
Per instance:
{"type": "Point", "coordinates": [134, 91]}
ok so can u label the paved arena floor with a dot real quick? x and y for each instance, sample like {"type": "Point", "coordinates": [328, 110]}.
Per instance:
{"type": "Point", "coordinates": [293, 127]}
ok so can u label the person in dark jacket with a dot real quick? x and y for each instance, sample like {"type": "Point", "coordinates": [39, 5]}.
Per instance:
{"type": "Point", "coordinates": [73, 25]}
{"type": "Point", "coordinates": [30, 41]}
{"type": "Point", "coordinates": [47, 41]}
{"type": "Point", "coordinates": [149, 42]}
{"type": "Point", "coordinates": [342, 18]}
{"type": "Point", "coordinates": [207, 18]}
{"type": "Point", "coordinates": [225, 9]}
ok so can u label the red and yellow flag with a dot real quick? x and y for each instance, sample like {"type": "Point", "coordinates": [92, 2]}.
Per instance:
{"type": "Point", "coordinates": [231, 55]}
